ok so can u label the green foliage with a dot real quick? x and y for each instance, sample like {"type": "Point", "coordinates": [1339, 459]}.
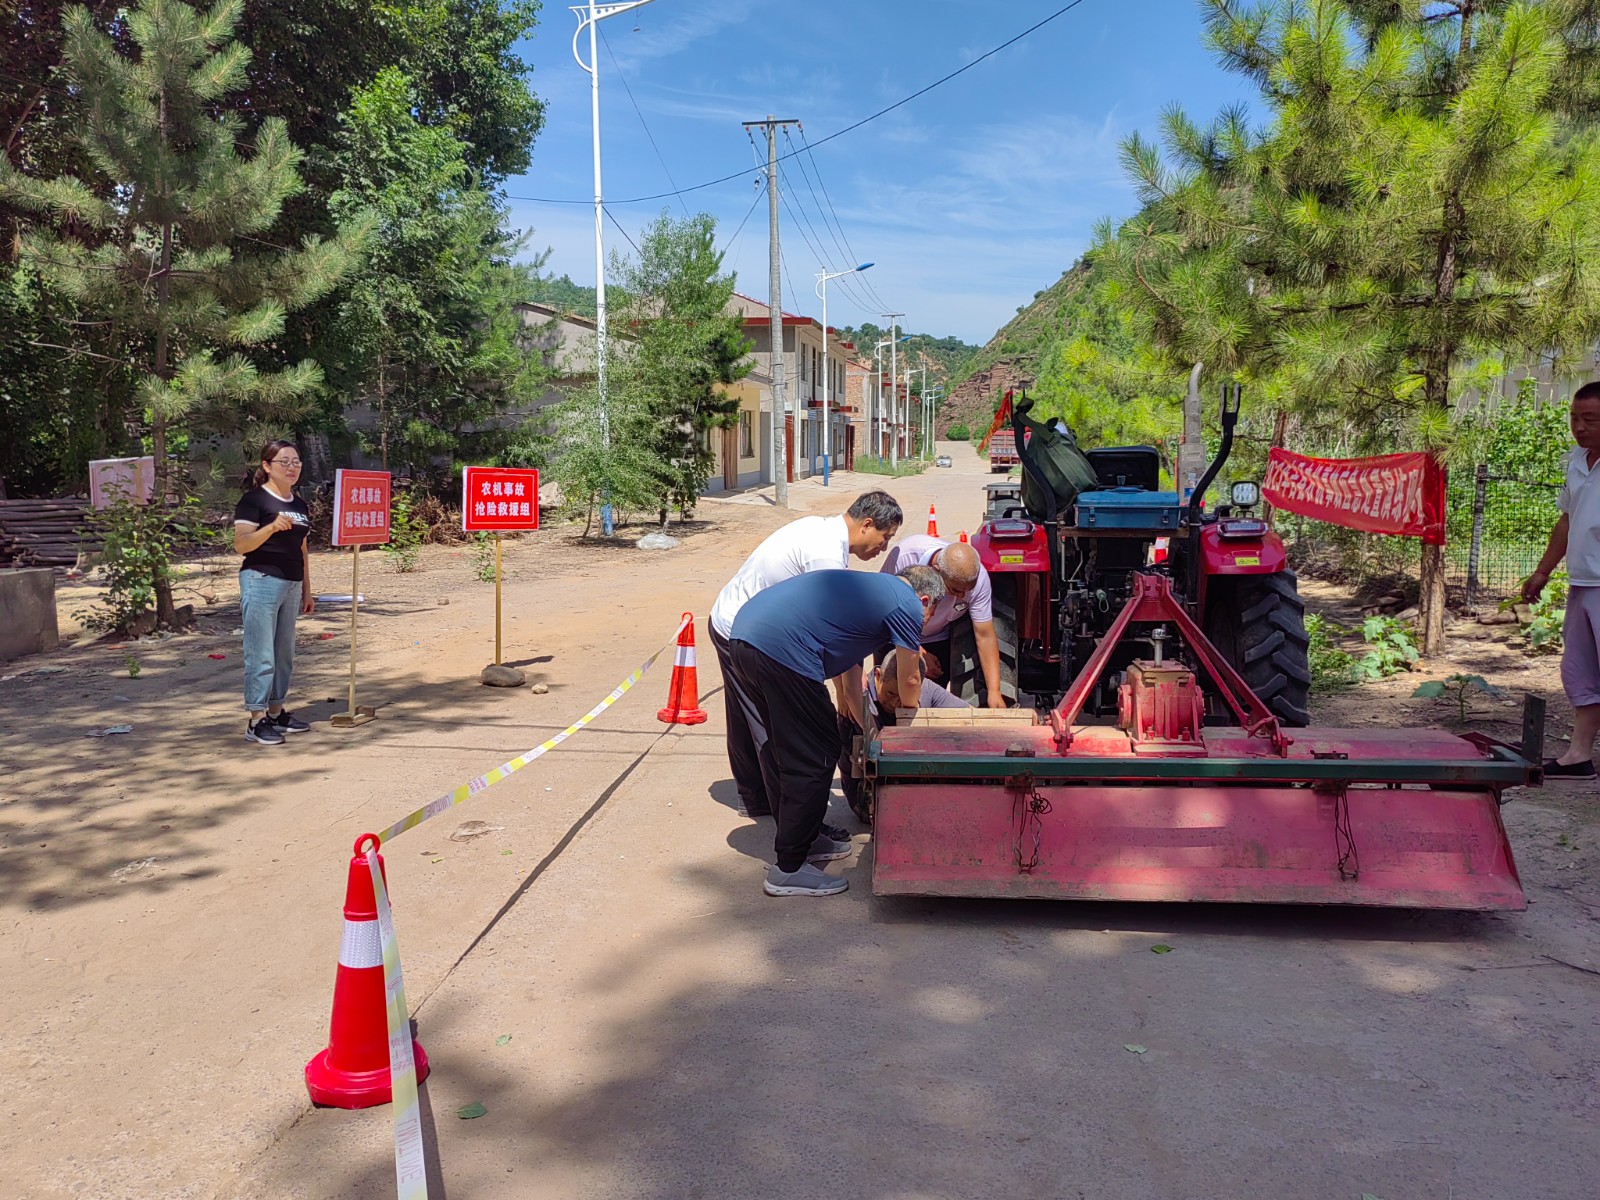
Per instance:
{"type": "Point", "coordinates": [429, 329]}
{"type": "Point", "coordinates": [869, 465]}
{"type": "Point", "coordinates": [564, 295]}
{"type": "Point", "coordinates": [407, 532]}
{"type": "Point", "coordinates": [958, 433]}
{"type": "Point", "coordinates": [1547, 616]}
{"type": "Point", "coordinates": [139, 542]}
{"type": "Point", "coordinates": [1457, 688]}
{"type": "Point", "coordinates": [588, 465]}
{"type": "Point", "coordinates": [1391, 648]}
{"type": "Point", "coordinates": [684, 348]}
{"type": "Point", "coordinates": [483, 556]}
{"type": "Point", "coordinates": [1331, 666]}
{"type": "Point", "coordinates": [132, 665]}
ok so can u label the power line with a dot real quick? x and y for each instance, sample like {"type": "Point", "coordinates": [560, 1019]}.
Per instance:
{"type": "Point", "coordinates": [882, 112]}
{"type": "Point", "coordinates": [871, 290]}
{"type": "Point", "coordinates": [823, 257]}
{"type": "Point", "coordinates": [727, 246]}
{"type": "Point", "coordinates": [847, 282]}
{"type": "Point", "coordinates": [623, 231]}
{"type": "Point", "coordinates": [638, 112]}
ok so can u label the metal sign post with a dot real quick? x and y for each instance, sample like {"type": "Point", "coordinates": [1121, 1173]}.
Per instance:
{"type": "Point", "coordinates": [360, 518]}
{"type": "Point", "coordinates": [496, 501]}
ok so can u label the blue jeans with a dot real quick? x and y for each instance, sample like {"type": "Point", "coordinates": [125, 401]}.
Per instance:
{"type": "Point", "coordinates": [270, 606]}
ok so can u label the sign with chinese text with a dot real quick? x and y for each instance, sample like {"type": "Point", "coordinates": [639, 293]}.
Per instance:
{"type": "Point", "coordinates": [360, 508]}
{"type": "Point", "coordinates": [1401, 494]}
{"type": "Point", "coordinates": [499, 499]}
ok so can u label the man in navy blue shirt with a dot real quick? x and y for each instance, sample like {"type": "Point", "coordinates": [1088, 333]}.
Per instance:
{"type": "Point", "coordinates": [788, 641]}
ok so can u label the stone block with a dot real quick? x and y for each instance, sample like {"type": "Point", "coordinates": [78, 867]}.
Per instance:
{"type": "Point", "coordinates": [28, 612]}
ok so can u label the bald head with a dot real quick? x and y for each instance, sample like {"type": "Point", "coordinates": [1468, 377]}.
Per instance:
{"type": "Point", "coordinates": [958, 563]}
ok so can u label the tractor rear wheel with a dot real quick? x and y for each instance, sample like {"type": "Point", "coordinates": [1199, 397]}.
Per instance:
{"type": "Point", "coordinates": [1258, 623]}
{"type": "Point", "coordinates": [966, 672]}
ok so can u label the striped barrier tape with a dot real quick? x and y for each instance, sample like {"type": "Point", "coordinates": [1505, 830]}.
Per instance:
{"type": "Point", "coordinates": [410, 1159]}
{"type": "Point", "coordinates": [471, 788]}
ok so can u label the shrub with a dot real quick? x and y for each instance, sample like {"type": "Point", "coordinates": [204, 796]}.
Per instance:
{"type": "Point", "coordinates": [957, 433]}
{"type": "Point", "coordinates": [1391, 648]}
{"type": "Point", "coordinates": [1331, 667]}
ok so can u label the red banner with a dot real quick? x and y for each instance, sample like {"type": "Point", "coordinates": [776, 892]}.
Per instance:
{"type": "Point", "coordinates": [1400, 494]}
{"type": "Point", "coordinates": [499, 499]}
{"type": "Point", "coordinates": [360, 508]}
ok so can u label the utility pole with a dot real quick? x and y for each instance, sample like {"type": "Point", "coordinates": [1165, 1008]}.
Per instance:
{"type": "Point", "coordinates": [894, 389]}
{"type": "Point", "coordinates": [1192, 449]}
{"type": "Point", "coordinates": [780, 466]}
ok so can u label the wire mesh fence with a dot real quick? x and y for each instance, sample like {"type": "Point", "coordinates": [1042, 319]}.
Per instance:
{"type": "Point", "coordinates": [1496, 528]}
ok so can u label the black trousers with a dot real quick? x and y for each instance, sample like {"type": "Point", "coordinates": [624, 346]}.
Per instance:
{"type": "Point", "coordinates": [795, 718]}
{"type": "Point", "coordinates": [754, 773]}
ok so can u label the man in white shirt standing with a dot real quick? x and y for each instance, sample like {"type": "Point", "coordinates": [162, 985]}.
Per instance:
{"type": "Point", "coordinates": [1576, 537]}
{"type": "Point", "coordinates": [969, 597]}
{"type": "Point", "coordinates": [809, 544]}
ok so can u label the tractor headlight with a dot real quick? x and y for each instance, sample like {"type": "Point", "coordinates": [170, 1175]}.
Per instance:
{"type": "Point", "coordinates": [1246, 495]}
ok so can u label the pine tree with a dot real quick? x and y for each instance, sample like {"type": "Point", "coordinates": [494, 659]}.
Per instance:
{"type": "Point", "coordinates": [684, 347]}
{"type": "Point", "coordinates": [166, 247]}
{"type": "Point", "coordinates": [1421, 208]}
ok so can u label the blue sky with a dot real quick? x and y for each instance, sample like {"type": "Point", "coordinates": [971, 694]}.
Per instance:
{"type": "Point", "coordinates": [968, 200]}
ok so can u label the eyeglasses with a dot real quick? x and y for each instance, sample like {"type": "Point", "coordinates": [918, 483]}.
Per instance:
{"type": "Point", "coordinates": [286, 462]}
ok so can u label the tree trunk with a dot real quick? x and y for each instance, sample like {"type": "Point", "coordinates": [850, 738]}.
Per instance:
{"type": "Point", "coordinates": [1280, 430]}
{"type": "Point", "coordinates": [383, 408]}
{"type": "Point", "coordinates": [1436, 363]}
{"type": "Point", "coordinates": [166, 611]}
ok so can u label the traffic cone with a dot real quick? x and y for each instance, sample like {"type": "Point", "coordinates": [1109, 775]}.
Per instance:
{"type": "Point", "coordinates": [963, 535]}
{"type": "Point", "coordinates": [353, 1072]}
{"type": "Point", "coordinates": [683, 693]}
{"type": "Point", "coordinates": [933, 522]}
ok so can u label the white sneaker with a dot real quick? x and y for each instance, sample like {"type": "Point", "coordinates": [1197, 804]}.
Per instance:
{"type": "Point", "coordinates": [807, 881]}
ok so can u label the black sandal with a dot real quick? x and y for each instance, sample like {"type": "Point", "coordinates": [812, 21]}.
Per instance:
{"type": "Point", "coordinates": [1555, 769]}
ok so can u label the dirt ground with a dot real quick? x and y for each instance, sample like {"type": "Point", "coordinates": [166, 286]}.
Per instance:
{"type": "Point", "coordinates": [169, 923]}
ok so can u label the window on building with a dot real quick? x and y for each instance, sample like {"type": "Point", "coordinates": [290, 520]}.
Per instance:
{"type": "Point", "coordinates": [747, 435]}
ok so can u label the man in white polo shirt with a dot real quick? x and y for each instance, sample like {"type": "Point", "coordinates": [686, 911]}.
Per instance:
{"type": "Point", "coordinates": [809, 544]}
{"type": "Point", "coordinates": [1576, 537]}
{"type": "Point", "coordinates": [969, 596]}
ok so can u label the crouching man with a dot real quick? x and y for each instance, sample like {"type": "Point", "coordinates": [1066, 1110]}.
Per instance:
{"type": "Point", "coordinates": [789, 640]}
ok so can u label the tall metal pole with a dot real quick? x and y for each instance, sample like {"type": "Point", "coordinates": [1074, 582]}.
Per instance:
{"type": "Point", "coordinates": [827, 377]}
{"type": "Point", "coordinates": [780, 466]}
{"type": "Point", "coordinates": [894, 389]}
{"type": "Point", "coordinates": [589, 16]}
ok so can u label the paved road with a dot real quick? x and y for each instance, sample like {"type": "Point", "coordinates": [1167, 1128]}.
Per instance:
{"type": "Point", "coordinates": [675, 1033]}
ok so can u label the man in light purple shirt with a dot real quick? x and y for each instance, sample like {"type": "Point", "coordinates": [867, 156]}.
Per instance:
{"type": "Point", "coordinates": [969, 598]}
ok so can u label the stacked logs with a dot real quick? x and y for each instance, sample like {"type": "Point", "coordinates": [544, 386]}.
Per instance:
{"type": "Point", "coordinates": [45, 533]}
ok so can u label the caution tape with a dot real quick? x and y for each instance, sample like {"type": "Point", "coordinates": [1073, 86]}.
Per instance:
{"type": "Point", "coordinates": [410, 1159]}
{"type": "Point", "coordinates": [471, 788]}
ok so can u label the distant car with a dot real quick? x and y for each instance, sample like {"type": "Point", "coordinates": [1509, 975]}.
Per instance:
{"type": "Point", "coordinates": [943, 461]}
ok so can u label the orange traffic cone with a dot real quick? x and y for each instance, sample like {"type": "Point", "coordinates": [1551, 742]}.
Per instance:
{"type": "Point", "coordinates": [353, 1072]}
{"type": "Point", "coordinates": [933, 522]}
{"type": "Point", "coordinates": [683, 693]}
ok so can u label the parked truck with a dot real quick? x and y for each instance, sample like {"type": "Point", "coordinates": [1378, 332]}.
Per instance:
{"type": "Point", "coordinates": [1002, 450]}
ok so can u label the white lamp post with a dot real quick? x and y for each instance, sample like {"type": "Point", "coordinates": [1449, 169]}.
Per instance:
{"type": "Point", "coordinates": [827, 374]}
{"type": "Point", "coordinates": [589, 16]}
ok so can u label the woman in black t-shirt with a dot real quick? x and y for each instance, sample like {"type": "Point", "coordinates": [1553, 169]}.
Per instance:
{"type": "Point", "coordinates": [270, 525]}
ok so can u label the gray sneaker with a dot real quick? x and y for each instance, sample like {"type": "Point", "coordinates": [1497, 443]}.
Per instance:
{"type": "Point", "coordinates": [264, 731]}
{"type": "Point", "coordinates": [807, 881]}
{"type": "Point", "coordinates": [829, 849]}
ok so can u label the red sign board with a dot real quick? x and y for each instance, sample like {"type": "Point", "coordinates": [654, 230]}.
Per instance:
{"type": "Point", "coordinates": [1399, 494]}
{"type": "Point", "coordinates": [499, 499]}
{"type": "Point", "coordinates": [360, 508]}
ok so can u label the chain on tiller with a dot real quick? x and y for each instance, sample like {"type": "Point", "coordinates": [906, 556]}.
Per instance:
{"type": "Point", "coordinates": [1030, 807]}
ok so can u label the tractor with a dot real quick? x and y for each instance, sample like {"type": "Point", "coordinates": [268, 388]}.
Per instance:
{"type": "Point", "coordinates": [1062, 565]}
{"type": "Point", "coordinates": [1159, 744]}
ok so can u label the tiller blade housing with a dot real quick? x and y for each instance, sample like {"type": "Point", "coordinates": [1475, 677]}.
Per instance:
{"type": "Point", "coordinates": [1003, 804]}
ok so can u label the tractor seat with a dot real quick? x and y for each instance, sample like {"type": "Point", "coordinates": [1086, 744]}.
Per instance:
{"type": "Point", "coordinates": [1127, 466]}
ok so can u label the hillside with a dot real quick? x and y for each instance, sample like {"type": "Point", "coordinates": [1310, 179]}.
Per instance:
{"type": "Point", "coordinates": [1012, 357]}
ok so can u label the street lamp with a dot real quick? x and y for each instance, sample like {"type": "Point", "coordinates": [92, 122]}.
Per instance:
{"type": "Point", "coordinates": [827, 375]}
{"type": "Point", "coordinates": [589, 16]}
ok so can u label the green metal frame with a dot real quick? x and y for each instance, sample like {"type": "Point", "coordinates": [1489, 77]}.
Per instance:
{"type": "Point", "coordinates": [1506, 768]}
